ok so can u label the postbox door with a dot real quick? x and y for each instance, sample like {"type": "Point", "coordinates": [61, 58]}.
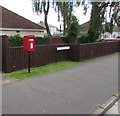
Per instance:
{"type": "Point", "coordinates": [31, 45]}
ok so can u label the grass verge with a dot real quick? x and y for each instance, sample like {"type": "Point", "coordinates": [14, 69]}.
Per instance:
{"type": "Point", "coordinates": [22, 74]}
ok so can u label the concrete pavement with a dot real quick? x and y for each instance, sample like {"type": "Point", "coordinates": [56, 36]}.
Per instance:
{"type": "Point", "coordinates": [109, 107]}
{"type": "Point", "coordinates": [6, 79]}
{"type": "Point", "coordinates": [115, 109]}
{"type": "Point", "coordinates": [75, 90]}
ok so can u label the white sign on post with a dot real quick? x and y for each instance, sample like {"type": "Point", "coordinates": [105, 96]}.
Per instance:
{"type": "Point", "coordinates": [63, 48]}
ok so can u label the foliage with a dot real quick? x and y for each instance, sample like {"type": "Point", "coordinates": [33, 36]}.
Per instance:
{"type": "Point", "coordinates": [74, 30]}
{"type": "Point", "coordinates": [82, 34]}
{"type": "Point", "coordinates": [98, 17]}
{"type": "Point", "coordinates": [65, 10]}
{"type": "Point", "coordinates": [108, 27]}
{"type": "Point", "coordinates": [42, 40]}
{"type": "Point", "coordinates": [84, 39]}
{"type": "Point", "coordinates": [15, 40]}
{"type": "Point", "coordinates": [115, 12]}
{"type": "Point", "coordinates": [64, 38]}
{"type": "Point", "coordinates": [40, 6]}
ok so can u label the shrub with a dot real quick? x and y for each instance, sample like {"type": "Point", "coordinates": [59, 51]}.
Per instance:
{"type": "Point", "coordinates": [42, 40]}
{"type": "Point", "coordinates": [65, 39]}
{"type": "Point", "coordinates": [74, 30]}
{"type": "Point", "coordinates": [84, 39]}
{"type": "Point", "coordinates": [15, 40]}
{"type": "Point", "coordinates": [38, 40]}
{"type": "Point", "coordinates": [93, 35]}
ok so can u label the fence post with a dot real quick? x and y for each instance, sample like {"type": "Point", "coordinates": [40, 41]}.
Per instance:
{"type": "Point", "coordinates": [5, 53]}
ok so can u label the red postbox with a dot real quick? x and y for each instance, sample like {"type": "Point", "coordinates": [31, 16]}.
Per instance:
{"type": "Point", "coordinates": [29, 43]}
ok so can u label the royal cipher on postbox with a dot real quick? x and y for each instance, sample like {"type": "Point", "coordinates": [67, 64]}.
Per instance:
{"type": "Point", "coordinates": [29, 43]}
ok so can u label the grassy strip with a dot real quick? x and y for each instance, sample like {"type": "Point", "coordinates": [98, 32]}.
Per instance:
{"type": "Point", "coordinates": [21, 75]}
{"type": "Point", "coordinates": [41, 70]}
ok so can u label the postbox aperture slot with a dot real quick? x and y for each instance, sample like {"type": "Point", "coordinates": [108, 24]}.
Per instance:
{"type": "Point", "coordinates": [31, 39]}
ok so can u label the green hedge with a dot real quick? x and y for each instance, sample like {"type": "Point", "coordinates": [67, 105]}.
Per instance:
{"type": "Point", "coordinates": [65, 39]}
{"type": "Point", "coordinates": [84, 39]}
{"type": "Point", "coordinates": [17, 40]}
{"type": "Point", "coordinates": [42, 40]}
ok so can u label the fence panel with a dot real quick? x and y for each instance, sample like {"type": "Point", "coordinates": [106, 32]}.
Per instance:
{"type": "Point", "coordinates": [18, 58]}
{"type": "Point", "coordinates": [93, 50]}
{"type": "Point", "coordinates": [73, 53]}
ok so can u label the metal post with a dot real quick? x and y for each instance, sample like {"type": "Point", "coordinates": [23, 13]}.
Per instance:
{"type": "Point", "coordinates": [56, 55]}
{"type": "Point", "coordinates": [28, 61]}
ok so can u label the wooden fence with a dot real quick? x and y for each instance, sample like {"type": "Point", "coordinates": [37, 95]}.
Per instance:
{"type": "Point", "coordinates": [93, 50]}
{"type": "Point", "coordinates": [14, 59]}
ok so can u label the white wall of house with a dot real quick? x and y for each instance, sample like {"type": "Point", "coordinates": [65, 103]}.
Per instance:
{"type": "Point", "coordinates": [22, 33]}
{"type": "Point", "coordinates": [53, 30]}
{"type": "Point", "coordinates": [107, 35]}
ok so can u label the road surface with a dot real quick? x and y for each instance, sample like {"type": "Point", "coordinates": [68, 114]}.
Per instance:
{"type": "Point", "coordinates": [75, 90]}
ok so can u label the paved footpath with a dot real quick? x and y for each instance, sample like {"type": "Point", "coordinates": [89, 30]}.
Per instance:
{"type": "Point", "coordinates": [115, 109]}
{"type": "Point", "coordinates": [76, 90]}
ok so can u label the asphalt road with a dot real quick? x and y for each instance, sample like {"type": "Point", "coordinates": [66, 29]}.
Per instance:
{"type": "Point", "coordinates": [75, 90]}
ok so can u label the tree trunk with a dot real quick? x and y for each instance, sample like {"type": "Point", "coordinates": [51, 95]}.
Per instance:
{"type": "Point", "coordinates": [46, 10]}
{"type": "Point", "coordinates": [64, 27]}
{"type": "Point", "coordinates": [47, 29]}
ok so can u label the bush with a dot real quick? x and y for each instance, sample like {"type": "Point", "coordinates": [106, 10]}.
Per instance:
{"type": "Point", "coordinates": [93, 35]}
{"type": "Point", "coordinates": [84, 39]}
{"type": "Point", "coordinates": [65, 39]}
{"type": "Point", "coordinates": [15, 40]}
{"type": "Point", "coordinates": [74, 30]}
{"type": "Point", "coordinates": [42, 40]}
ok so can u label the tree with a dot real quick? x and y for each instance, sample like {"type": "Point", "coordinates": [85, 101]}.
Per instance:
{"type": "Point", "coordinates": [96, 20]}
{"type": "Point", "coordinates": [114, 17]}
{"type": "Point", "coordinates": [98, 17]}
{"type": "Point", "coordinates": [40, 6]}
{"type": "Point", "coordinates": [108, 27]}
{"type": "Point", "coordinates": [73, 30]}
{"type": "Point", "coordinates": [65, 10]}
{"type": "Point", "coordinates": [115, 14]}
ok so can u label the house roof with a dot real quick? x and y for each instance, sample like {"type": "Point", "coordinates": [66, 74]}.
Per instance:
{"type": "Point", "coordinates": [85, 26]}
{"type": "Point", "coordinates": [116, 29]}
{"type": "Point", "coordinates": [12, 20]}
{"type": "Point", "coordinates": [41, 23]}
{"type": "Point", "coordinates": [50, 25]}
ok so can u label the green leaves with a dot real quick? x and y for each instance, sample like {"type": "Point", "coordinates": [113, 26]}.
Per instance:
{"type": "Point", "coordinates": [42, 40]}
{"type": "Point", "coordinates": [65, 10]}
{"type": "Point", "coordinates": [97, 16]}
{"type": "Point", "coordinates": [73, 30]}
{"type": "Point", "coordinates": [15, 40]}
